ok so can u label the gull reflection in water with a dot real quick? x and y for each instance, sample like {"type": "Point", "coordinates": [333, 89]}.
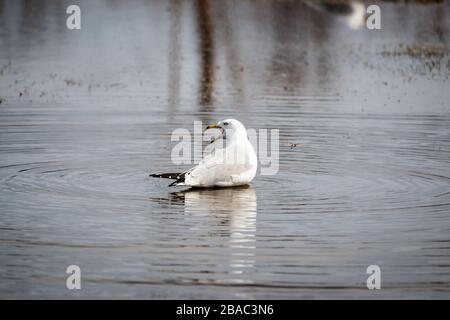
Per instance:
{"type": "Point", "coordinates": [231, 213]}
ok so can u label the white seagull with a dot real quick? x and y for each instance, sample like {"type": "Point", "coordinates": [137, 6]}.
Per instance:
{"type": "Point", "coordinates": [234, 164]}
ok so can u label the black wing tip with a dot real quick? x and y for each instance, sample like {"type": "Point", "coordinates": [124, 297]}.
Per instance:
{"type": "Point", "coordinates": [157, 175]}
{"type": "Point", "coordinates": [172, 175]}
{"type": "Point", "coordinates": [179, 177]}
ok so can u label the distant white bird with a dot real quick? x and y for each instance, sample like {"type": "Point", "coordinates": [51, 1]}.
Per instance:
{"type": "Point", "coordinates": [234, 164]}
{"type": "Point", "coordinates": [353, 13]}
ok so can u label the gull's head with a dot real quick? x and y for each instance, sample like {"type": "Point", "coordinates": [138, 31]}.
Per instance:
{"type": "Point", "coordinates": [229, 128]}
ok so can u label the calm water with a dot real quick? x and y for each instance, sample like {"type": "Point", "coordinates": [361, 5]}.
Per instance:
{"type": "Point", "coordinates": [86, 115]}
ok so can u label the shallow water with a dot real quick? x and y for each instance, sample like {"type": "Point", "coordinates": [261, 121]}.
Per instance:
{"type": "Point", "coordinates": [86, 115]}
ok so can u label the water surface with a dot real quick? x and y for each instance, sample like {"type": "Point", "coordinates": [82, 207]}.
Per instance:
{"type": "Point", "coordinates": [86, 115]}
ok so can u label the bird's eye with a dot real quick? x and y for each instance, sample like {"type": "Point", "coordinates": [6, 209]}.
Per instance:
{"type": "Point", "coordinates": [225, 123]}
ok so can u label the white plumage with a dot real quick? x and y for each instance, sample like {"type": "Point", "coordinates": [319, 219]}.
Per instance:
{"type": "Point", "coordinates": [233, 161]}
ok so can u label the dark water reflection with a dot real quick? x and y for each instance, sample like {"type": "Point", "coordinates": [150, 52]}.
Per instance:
{"type": "Point", "coordinates": [86, 115]}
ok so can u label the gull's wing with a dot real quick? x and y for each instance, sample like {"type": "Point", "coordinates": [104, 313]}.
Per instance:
{"type": "Point", "coordinates": [208, 162]}
{"type": "Point", "coordinates": [216, 167]}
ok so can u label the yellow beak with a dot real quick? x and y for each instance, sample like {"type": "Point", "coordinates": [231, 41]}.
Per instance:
{"type": "Point", "coordinates": [211, 126]}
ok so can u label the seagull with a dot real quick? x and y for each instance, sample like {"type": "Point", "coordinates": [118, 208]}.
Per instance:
{"type": "Point", "coordinates": [352, 13]}
{"type": "Point", "coordinates": [234, 164]}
